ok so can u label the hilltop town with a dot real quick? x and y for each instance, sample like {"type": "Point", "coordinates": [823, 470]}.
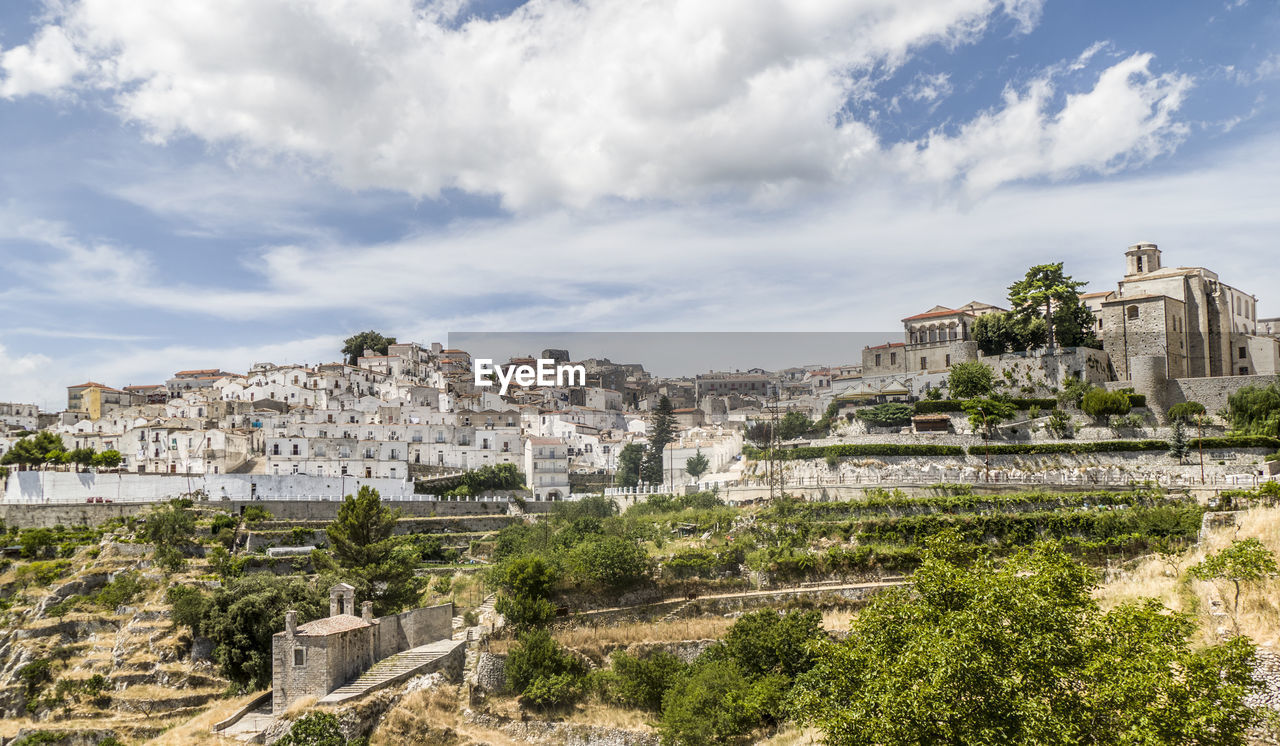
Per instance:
{"type": "Point", "coordinates": [388, 548]}
{"type": "Point", "coordinates": [404, 415]}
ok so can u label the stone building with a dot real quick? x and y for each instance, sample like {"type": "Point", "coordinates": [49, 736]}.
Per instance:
{"type": "Point", "coordinates": [1199, 325]}
{"type": "Point", "coordinates": [933, 341]}
{"type": "Point", "coordinates": [313, 659]}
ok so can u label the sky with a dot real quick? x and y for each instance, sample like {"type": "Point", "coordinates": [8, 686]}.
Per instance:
{"type": "Point", "coordinates": [212, 183]}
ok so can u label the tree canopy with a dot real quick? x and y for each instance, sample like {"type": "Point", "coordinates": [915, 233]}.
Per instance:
{"type": "Point", "coordinates": [367, 553]}
{"type": "Point", "coordinates": [970, 379]}
{"type": "Point", "coordinates": [1044, 286]}
{"type": "Point", "coordinates": [630, 459]}
{"type": "Point", "coordinates": [661, 433]}
{"type": "Point", "coordinates": [697, 464]}
{"type": "Point", "coordinates": [1019, 652]}
{"type": "Point", "coordinates": [353, 347]}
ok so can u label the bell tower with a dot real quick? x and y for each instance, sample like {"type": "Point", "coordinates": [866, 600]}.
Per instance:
{"type": "Point", "coordinates": [1141, 258]}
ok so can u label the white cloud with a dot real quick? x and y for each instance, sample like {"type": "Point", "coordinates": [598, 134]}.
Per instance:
{"type": "Point", "coordinates": [929, 87]}
{"type": "Point", "coordinates": [44, 66]}
{"type": "Point", "coordinates": [558, 102]}
{"type": "Point", "coordinates": [23, 378]}
{"type": "Point", "coordinates": [1127, 118]}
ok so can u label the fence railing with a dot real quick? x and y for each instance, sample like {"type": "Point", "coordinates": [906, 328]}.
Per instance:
{"type": "Point", "coordinates": [260, 498]}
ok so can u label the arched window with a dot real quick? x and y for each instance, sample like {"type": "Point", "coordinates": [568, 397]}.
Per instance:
{"type": "Point", "coordinates": [1132, 312]}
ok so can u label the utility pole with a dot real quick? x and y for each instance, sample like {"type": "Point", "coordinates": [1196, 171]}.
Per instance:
{"type": "Point", "coordinates": [1200, 444]}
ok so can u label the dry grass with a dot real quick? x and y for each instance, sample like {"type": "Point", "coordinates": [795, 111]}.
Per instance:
{"type": "Point", "coordinates": [299, 708]}
{"type": "Point", "coordinates": [197, 730]}
{"type": "Point", "coordinates": [608, 716]}
{"type": "Point", "coordinates": [431, 717]}
{"type": "Point", "coordinates": [790, 735]}
{"type": "Point", "coordinates": [1259, 615]}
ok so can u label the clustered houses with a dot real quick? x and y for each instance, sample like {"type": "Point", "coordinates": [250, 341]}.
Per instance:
{"type": "Point", "coordinates": [410, 413]}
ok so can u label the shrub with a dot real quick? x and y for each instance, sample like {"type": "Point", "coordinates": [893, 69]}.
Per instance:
{"type": "Point", "coordinates": [1100, 403]}
{"type": "Point", "coordinates": [642, 682]}
{"type": "Point", "coordinates": [856, 450]}
{"type": "Point", "coordinates": [710, 705]}
{"type": "Point", "coordinates": [970, 379]}
{"type": "Point", "coordinates": [256, 513]}
{"type": "Point", "coordinates": [1185, 411]}
{"type": "Point", "coordinates": [612, 562]}
{"type": "Point", "coordinates": [890, 414]}
{"type": "Point", "coordinates": [543, 672]}
{"type": "Point", "coordinates": [1060, 424]}
{"type": "Point", "coordinates": [314, 729]}
{"type": "Point", "coordinates": [1255, 410]}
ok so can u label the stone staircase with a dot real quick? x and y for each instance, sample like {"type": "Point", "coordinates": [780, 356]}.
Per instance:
{"type": "Point", "coordinates": [392, 670]}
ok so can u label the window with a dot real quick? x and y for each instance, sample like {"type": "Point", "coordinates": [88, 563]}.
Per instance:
{"type": "Point", "coordinates": [275, 449]}
{"type": "Point", "coordinates": [893, 358]}
{"type": "Point", "coordinates": [1139, 264]}
{"type": "Point", "coordinates": [877, 359]}
{"type": "Point", "coordinates": [295, 449]}
{"type": "Point", "coordinates": [299, 657]}
{"type": "Point", "coordinates": [1244, 371]}
{"type": "Point", "coordinates": [924, 363]}
{"type": "Point", "coordinates": [1243, 353]}
{"type": "Point", "coordinates": [1132, 312]}
{"type": "Point", "coordinates": [948, 361]}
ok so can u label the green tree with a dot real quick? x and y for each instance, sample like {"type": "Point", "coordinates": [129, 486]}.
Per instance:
{"type": "Point", "coordinates": [1044, 287]}
{"type": "Point", "coordinates": [241, 618]}
{"type": "Point", "coordinates": [794, 425]}
{"type": "Point", "coordinates": [889, 414]}
{"type": "Point", "coordinates": [630, 459]}
{"type": "Point", "coordinates": [971, 379]}
{"type": "Point", "coordinates": [1253, 410]}
{"type": "Point", "coordinates": [1019, 652]}
{"type": "Point", "coordinates": [712, 704]}
{"type": "Point", "coordinates": [1001, 332]}
{"type": "Point", "coordinates": [108, 459]}
{"type": "Point", "coordinates": [988, 413]}
{"type": "Point", "coordinates": [81, 457]}
{"type": "Point", "coordinates": [1186, 411]}
{"type": "Point", "coordinates": [1179, 446]}
{"type": "Point", "coordinates": [766, 642]}
{"type": "Point", "coordinates": [697, 464]}
{"type": "Point", "coordinates": [1243, 561]}
{"type": "Point", "coordinates": [1074, 324]}
{"type": "Point", "coordinates": [367, 553]}
{"type": "Point", "coordinates": [543, 672]}
{"type": "Point", "coordinates": [171, 528]}
{"type": "Point", "coordinates": [661, 432]}
{"type": "Point", "coordinates": [1100, 403]}
{"type": "Point", "coordinates": [642, 682]}
{"type": "Point", "coordinates": [36, 450]}
{"type": "Point", "coordinates": [316, 728]}
{"type": "Point", "coordinates": [614, 563]}
{"type": "Point", "coordinates": [525, 584]}
{"type": "Point", "coordinates": [353, 347]}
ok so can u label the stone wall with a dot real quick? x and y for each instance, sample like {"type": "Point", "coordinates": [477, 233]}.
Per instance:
{"type": "Point", "coordinates": [475, 516]}
{"type": "Point", "coordinates": [412, 628]}
{"type": "Point", "coordinates": [80, 486]}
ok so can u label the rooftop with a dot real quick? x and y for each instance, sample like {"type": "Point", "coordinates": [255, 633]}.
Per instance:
{"type": "Point", "coordinates": [332, 625]}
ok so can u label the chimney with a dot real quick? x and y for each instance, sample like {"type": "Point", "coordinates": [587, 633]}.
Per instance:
{"type": "Point", "coordinates": [366, 611]}
{"type": "Point", "coordinates": [291, 623]}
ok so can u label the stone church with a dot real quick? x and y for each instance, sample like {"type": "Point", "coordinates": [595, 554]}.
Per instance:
{"type": "Point", "coordinates": [313, 659]}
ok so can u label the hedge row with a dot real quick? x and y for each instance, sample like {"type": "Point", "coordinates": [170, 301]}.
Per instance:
{"type": "Point", "coordinates": [948, 406]}
{"type": "Point", "coordinates": [1114, 446]}
{"type": "Point", "coordinates": [955, 405]}
{"type": "Point", "coordinates": [852, 450]}
{"type": "Point", "coordinates": [848, 450]}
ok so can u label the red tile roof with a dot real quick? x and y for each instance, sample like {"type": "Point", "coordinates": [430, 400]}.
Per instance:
{"type": "Point", "coordinates": [332, 625]}
{"type": "Point", "coordinates": [938, 314]}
